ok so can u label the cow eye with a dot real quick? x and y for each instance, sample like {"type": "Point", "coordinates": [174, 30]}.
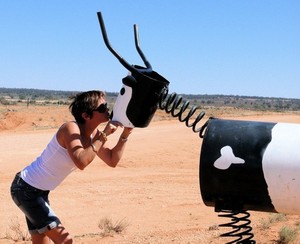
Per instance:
{"type": "Point", "coordinates": [122, 91]}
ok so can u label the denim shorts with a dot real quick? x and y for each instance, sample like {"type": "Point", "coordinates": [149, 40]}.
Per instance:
{"type": "Point", "coordinates": [34, 203]}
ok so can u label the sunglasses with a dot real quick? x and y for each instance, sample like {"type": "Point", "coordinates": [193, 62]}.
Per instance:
{"type": "Point", "coordinates": [102, 108]}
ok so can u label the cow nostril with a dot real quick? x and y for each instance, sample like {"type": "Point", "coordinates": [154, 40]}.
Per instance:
{"type": "Point", "coordinates": [122, 91]}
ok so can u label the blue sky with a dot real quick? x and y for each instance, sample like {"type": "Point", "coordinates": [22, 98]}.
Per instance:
{"type": "Point", "coordinates": [230, 47]}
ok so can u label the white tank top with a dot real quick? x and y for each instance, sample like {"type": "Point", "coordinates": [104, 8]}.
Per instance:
{"type": "Point", "coordinates": [50, 168]}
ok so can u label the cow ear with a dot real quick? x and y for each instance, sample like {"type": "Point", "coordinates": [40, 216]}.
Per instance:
{"type": "Point", "coordinates": [129, 81]}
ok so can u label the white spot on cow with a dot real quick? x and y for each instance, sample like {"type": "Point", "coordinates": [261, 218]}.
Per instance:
{"type": "Point", "coordinates": [227, 158]}
{"type": "Point", "coordinates": [120, 107]}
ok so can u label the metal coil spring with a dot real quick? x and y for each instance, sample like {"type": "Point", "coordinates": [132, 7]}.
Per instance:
{"type": "Point", "coordinates": [241, 231]}
{"type": "Point", "coordinates": [174, 102]}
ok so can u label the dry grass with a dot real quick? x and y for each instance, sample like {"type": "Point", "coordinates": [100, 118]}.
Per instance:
{"type": "Point", "coordinates": [106, 225]}
{"type": "Point", "coordinates": [287, 235]}
{"type": "Point", "coordinates": [109, 228]}
{"type": "Point", "coordinates": [15, 232]}
{"type": "Point", "coordinates": [273, 218]}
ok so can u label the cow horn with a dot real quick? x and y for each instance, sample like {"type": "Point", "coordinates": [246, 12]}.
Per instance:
{"type": "Point", "coordinates": [129, 67]}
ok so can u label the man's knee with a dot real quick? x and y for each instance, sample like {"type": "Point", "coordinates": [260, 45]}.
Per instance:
{"type": "Point", "coordinates": [60, 235]}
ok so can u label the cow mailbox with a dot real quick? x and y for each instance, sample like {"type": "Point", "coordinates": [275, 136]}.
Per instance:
{"type": "Point", "coordinates": [248, 165]}
{"type": "Point", "coordinates": [142, 89]}
{"type": "Point", "coordinates": [244, 165]}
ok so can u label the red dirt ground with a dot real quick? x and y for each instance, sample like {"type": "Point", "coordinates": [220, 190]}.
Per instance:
{"type": "Point", "coordinates": [154, 190]}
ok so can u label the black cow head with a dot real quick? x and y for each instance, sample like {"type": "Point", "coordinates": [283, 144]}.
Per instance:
{"type": "Point", "coordinates": [141, 91]}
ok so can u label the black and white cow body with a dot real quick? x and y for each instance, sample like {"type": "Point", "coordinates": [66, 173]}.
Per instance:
{"type": "Point", "coordinates": [246, 165]}
{"type": "Point", "coordinates": [138, 98]}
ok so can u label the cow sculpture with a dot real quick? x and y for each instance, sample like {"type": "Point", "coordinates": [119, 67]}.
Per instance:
{"type": "Point", "coordinates": [244, 165]}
